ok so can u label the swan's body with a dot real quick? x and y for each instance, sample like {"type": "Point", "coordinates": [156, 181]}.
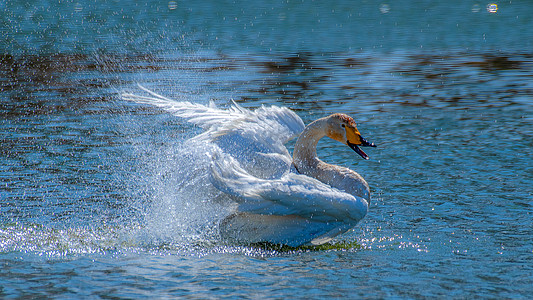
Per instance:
{"type": "Point", "coordinates": [293, 201]}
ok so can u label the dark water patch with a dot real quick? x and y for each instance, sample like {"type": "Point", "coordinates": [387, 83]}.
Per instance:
{"type": "Point", "coordinates": [336, 246]}
{"type": "Point", "coordinates": [354, 62]}
{"type": "Point", "coordinates": [423, 80]}
{"type": "Point", "coordinates": [496, 63]}
{"type": "Point", "coordinates": [291, 64]}
{"type": "Point", "coordinates": [468, 79]}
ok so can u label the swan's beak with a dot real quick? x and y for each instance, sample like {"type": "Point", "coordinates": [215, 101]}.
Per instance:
{"type": "Point", "coordinates": [358, 150]}
{"type": "Point", "coordinates": [355, 140]}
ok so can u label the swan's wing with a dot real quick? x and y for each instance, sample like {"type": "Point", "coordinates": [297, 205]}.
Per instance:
{"type": "Point", "coordinates": [266, 124]}
{"type": "Point", "coordinates": [198, 114]}
{"type": "Point", "coordinates": [292, 194]}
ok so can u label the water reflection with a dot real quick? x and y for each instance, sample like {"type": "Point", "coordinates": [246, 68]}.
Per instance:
{"type": "Point", "coordinates": [297, 80]}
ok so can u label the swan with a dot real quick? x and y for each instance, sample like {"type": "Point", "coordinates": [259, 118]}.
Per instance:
{"type": "Point", "coordinates": [295, 201]}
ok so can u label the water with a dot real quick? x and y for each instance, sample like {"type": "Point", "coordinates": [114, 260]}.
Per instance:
{"type": "Point", "coordinates": [93, 201]}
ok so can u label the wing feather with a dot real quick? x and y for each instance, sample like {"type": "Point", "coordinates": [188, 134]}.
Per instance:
{"type": "Point", "coordinates": [280, 122]}
{"type": "Point", "coordinates": [292, 194]}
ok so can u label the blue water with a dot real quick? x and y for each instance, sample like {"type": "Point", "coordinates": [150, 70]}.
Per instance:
{"type": "Point", "coordinates": [95, 197]}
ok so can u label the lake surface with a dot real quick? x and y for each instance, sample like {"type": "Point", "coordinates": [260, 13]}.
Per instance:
{"type": "Point", "coordinates": [91, 187]}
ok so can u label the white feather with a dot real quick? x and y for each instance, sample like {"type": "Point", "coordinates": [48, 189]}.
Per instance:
{"type": "Point", "coordinates": [292, 194]}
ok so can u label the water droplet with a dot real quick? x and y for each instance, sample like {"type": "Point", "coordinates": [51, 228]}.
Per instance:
{"type": "Point", "coordinates": [78, 7]}
{"type": "Point", "coordinates": [172, 5]}
{"type": "Point", "coordinates": [492, 8]}
{"type": "Point", "coordinates": [384, 8]}
{"type": "Point", "coordinates": [476, 8]}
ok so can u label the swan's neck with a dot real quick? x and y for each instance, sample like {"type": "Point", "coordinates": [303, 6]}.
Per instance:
{"type": "Point", "coordinates": [307, 162]}
{"type": "Point", "coordinates": [304, 156]}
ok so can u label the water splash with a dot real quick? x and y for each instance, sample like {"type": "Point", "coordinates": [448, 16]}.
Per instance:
{"type": "Point", "coordinates": [54, 242]}
{"type": "Point", "coordinates": [183, 207]}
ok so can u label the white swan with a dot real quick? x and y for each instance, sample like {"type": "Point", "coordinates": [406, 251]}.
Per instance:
{"type": "Point", "coordinates": [293, 201]}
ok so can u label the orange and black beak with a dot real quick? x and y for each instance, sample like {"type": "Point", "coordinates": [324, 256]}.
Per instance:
{"type": "Point", "coordinates": [358, 150]}
{"type": "Point", "coordinates": [354, 140]}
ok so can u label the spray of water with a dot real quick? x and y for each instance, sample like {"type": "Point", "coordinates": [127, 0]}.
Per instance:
{"type": "Point", "coordinates": [152, 191]}
{"type": "Point", "coordinates": [184, 206]}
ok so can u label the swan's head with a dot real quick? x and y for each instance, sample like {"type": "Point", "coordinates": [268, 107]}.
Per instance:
{"type": "Point", "coordinates": [342, 128]}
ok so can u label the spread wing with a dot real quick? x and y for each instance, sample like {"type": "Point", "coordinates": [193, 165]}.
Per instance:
{"type": "Point", "coordinates": [270, 123]}
{"type": "Point", "coordinates": [255, 138]}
